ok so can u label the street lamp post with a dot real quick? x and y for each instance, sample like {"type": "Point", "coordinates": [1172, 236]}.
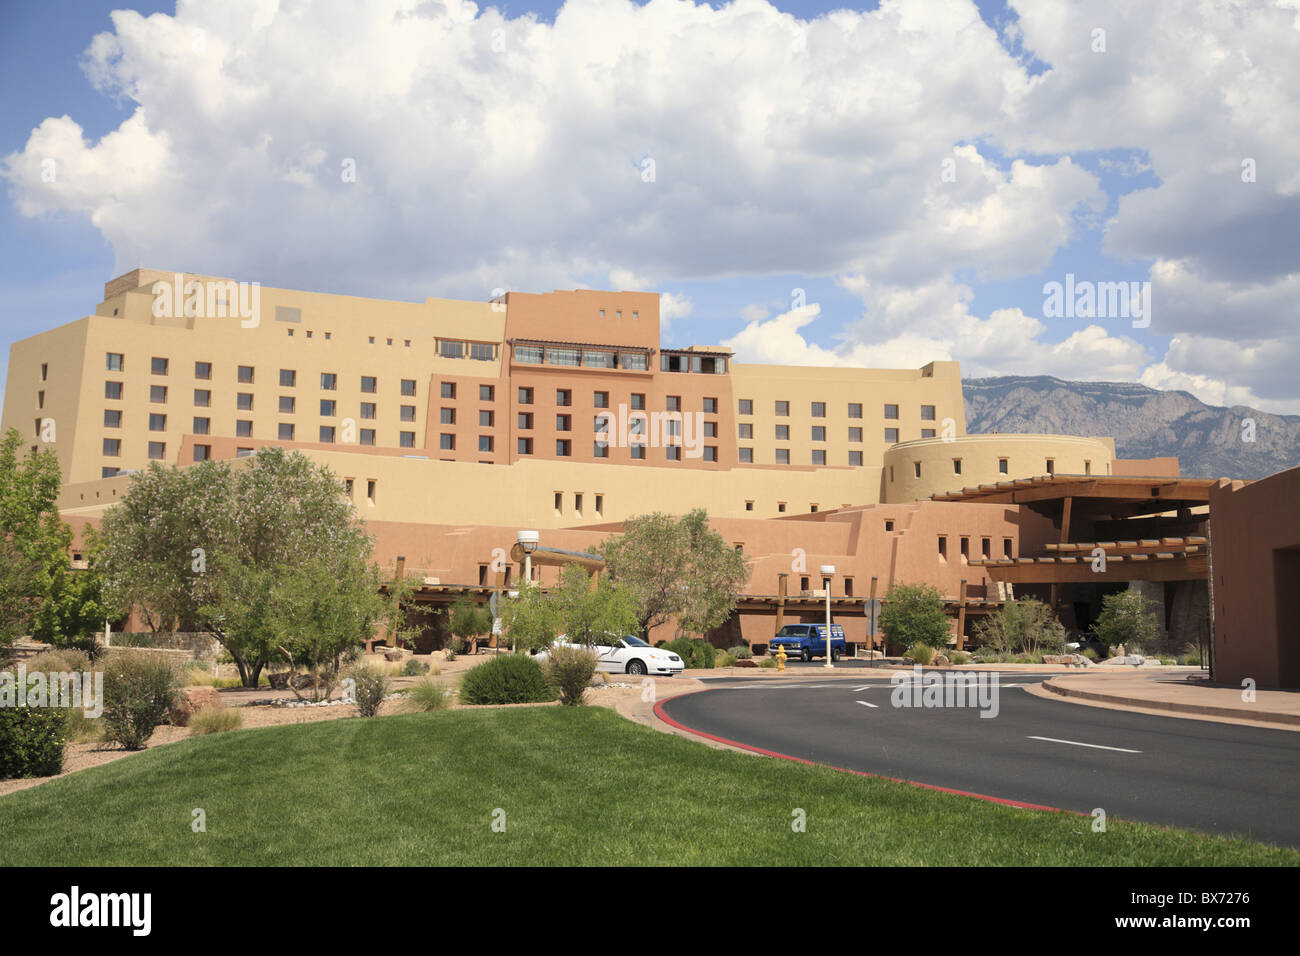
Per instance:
{"type": "Point", "coordinates": [828, 572]}
{"type": "Point", "coordinates": [528, 540]}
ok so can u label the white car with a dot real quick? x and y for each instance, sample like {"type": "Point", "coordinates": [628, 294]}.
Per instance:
{"type": "Point", "coordinates": [629, 655]}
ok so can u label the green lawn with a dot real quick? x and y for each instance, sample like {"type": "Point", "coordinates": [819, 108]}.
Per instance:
{"type": "Point", "coordinates": [578, 786]}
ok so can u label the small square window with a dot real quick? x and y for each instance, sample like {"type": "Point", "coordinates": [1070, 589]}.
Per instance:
{"type": "Point", "coordinates": [327, 434]}
{"type": "Point", "coordinates": [746, 455]}
{"type": "Point", "coordinates": [637, 452]}
{"type": "Point", "coordinates": [157, 423]}
{"type": "Point", "coordinates": [447, 416]}
{"type": "Point", "coordinates": [246, 374]}
{"type": "Point", "coordinates": [158, 394]}
{"type": "Point", "coordinates": [485, 443]}
{"type": "Point", "coordinates": [563, 447]}
{"type": "Point", "coordinates": [244, 429]}
{"type": "Point", "coordinates": [448, 389]}
{"type": "Point", "coordinates": [369, 384]}
{"type": "Point", "coordinates": [288, 378]}
{"type": "Point", "coordinates": [486, 393]}
{"type": "Point", "coordinates": [328, 408]}
{"type": "Point", "coordinates": [855, 410]}
{"type": "Point", "coordinates": [157, 450]}
{"type": "Point", "coordinates": [819, 456]}
{"type": "Point", "coordinates": [891, 436]}
{"type": "Point", "coordinates": [782, 432]}
{"type": "Point", "coordinates": [891, 412]}
{"type": "Point", "coordinates": [855, 433]}
{"type": "Point", "coordinates": [524, 446]}
{"type": "Point", "coordinates": [783, 456]}
{"type": "Point", "coordinates": [783, 408]}
{"type": "Point", "coordinates": [407, 413]}
{"type": "Point", "coordinates": [201, 426]}
{"type": "Point", "coordinates": [113, 418]}
{"type": "Point", "coordinates": [287, 403]}
{"type": "Point", "coordinates": [202, 452]}
{"type": "Point", "coordinates": [367, 436]}
{"type": "Point", "coordinates": [368, 410]}
{"type": "Point", "coordinates": [285, 431]}
{"type": "Point", "coordinates": [485, 417]}
{"type": "Point", "coordinates": [202, 398]}
{"type": "Point", "coordinates": [818, 409]}
{"type": "Point", "coordinates": [329, 381]}
{"type": "Point", "coordinates": [525, 396]}
{"type": "Point", "coordinates": [855, 459]}
{"type": "Point", "coordinates": [406, 439]}
{"type": "Point", "coordinates": [408, 388]}
{"type": "Point", "coordinates": [710, 406]}
{"type": "Point", "coordinates": [638, 401]}
{"type": "Point", "coordinates": [203, 370]}
{"type": "Point", "coordinates": [113, 390]}
{"type": "Point", "coordinates": [927, 413]}
{"type": "Point", "coordinates": [600, 399]}
{"type": "Point", "coordinates": [244, 401]}
{"type": "Point", "coordinates": [563, 396]}
{"type": "Point", "coordinates": [447, 442]}
{"type": "Point", "coordinates": [819, 433]}
{"type": "Point", "coordinates": [745, 407]}
{"type": "Point", "coordinates": [674, 403]}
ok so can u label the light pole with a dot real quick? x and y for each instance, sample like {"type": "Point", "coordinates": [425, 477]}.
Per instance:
{"type": "Point", "coordinates": [828, 572]}
{"type": "Point", "coordinates": [528, 540]}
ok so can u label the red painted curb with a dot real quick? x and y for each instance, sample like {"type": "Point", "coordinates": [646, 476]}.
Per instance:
{"type": "Point", "coordinates": [659, 712]}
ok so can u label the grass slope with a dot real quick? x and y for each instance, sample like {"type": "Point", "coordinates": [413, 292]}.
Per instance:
{"type": "Point", "coordinates": [578, 786]}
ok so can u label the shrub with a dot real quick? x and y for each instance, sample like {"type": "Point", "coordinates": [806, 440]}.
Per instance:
{"type": "Point", "coordinates": [1126, 618]}
{"type": "Point", "coordinates": [32, 740]}
{"type": "Point", "coordinates": [768, 662]}
{"type": "Point", "coordinates": [65, 659]}
{"type": "Point", "coordinates": [427, 695]}
{"type": "Point", "coordinates": [914, 614]}
{"type": "Point", "coordinates": [139, 690]}
{"type": "Point", "coordinates": [741, 652]}
{"type": "Point", "coordinates": [215, 720]}
{"type": "Point", "coordinates": [959, 657]}
{"type": "Point", "coordinates": [569, 670]}
{"type": "Point", "coordinates": [1024, 627]}
{"type": "Point", "coordinates": [370, 689]}
{"type": "Point", "coordinates": [1089, 653]}
{"type": "Point", "coordinates": [506, 679]}
{"type": "Point", "coordinates": [414, 668]}
{"type": "Point", "coordinates": [724, 659]}
{"type": "Point", "coordinates": [921, 653]}
{"type": "Point", "coordinates": [453, 647]}
{"type": "Point", "coordinates": [694, 652]}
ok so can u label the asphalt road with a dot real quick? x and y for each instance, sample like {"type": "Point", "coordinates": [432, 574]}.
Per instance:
{"type": "Point", "coordinates": [1220, 778]}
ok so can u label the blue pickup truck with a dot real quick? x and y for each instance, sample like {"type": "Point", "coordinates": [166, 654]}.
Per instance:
{"type": "Point", "coordinates": [807, 641]}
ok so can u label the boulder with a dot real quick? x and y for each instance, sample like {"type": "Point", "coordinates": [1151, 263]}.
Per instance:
{"type": "Point", "coordinates": [746, 662]}
{"type": "Point", "coordinates": [940, 660]}
{"type": "Point", "coordinates": [394, 654]}
{"type": "Point", "coordinates": [189, 700]}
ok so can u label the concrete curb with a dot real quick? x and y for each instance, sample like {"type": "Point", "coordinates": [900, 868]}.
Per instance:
{"type": "Point", "coordinates": [1191, 710]}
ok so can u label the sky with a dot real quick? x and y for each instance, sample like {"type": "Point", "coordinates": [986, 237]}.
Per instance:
{"type": "Point", "coordinates": [877, 185]}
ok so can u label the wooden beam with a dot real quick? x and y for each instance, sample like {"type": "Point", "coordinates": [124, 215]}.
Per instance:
{"type": "Point", "coordinates": [961, 616]}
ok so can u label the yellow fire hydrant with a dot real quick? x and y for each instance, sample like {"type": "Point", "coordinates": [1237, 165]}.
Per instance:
{"type": "Point", "coordinates": [780, 657]}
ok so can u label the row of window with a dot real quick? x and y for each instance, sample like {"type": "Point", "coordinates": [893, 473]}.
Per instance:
{"type": "Point", "coordinates": [1004, 467]}
{"type": "Point", "coordinates": [245, 375]}
{"type": "Point", "coordinates": [580, 358]}
{"type": "Point", "coordinates": [745, 406]}
{"type": "Point", "coordinates": [782, 457]}
{"type": "Point", "coordinates": [986, 548]}
{"type": "Point", "coordinates": [745, 432]}
{"type": "Point", "coordinates": [599, 449]}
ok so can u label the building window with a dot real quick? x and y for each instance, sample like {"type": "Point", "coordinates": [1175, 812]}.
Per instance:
{"type": "Point", "coordinates": [245, 452]}
{"type": "Point", "coordinates": [819, 456]}
{"type": "Point", "coordinates": [710, 452]}
{"type": "Point", "coordinates": [566, 357]}
{"type": "Point", "coordinates": [891, 436]}
{"type": "Point", "coordinates": [328, 408]}
{"type": "Point", "coordinates": [327, 434]}
{"type": "Point", "coordinates": [638, 401]}
{"type": "Point", "coordinates": [367, 436]}
{"type": "Point", "coordinates": [927, 432]}
{"type": "Point", "coordinates": [891, 412]}
{"type": "Point", "coordinates": [285, 432]}
{"type": "Point", "coordinates": [288, 377]}
{"type": "Point", "coordinates": [746, 431]}
{"type": "Point", "coordinates": [783, 456]}
{"type": "Point", "coordinates": [104, 472]}
{"type": "Point", "coordinates": [956, 466]}
{"type": "Point", "coordinates": [783, 408]}
{"type": "Point", "coordinates": [855, 410]}
{"type": "Point", "coordinates": [203, 370]}
{"type": "Point", "coordinates": [563, 447]}
{"type": "Point", "coordinates": [157, 450]}
{"type": "Point", "coordinates": [407, 413]}
{"type": "Point", "coordinates": [112, 418]}
{"type": "Point", "coordinates": [600, 499]}
{"type": "Point", "coordinates": [45, 370]}
{"type": "Point", "coordinates": [525, 446]}
{"type": "Point", "coordinates": [202, 452]}
{"type": "Point", "coordinates": [286, 404]}
{"type": "Point", "coordinates": [818, 409]}
{"type": "Point", "coordinates": [745, 406]}
{"type": "Point", "coordinates": [633, 361]}
{"type": "Point", "coordinates": [525, 396]}
{"type": "Point", "coordinates": [594, 358]}
{"type": "Point", "coordinates": [710, 406]}
{"type": "Point", "coordinates": [889, 524]}
{"type": "Point", "coordinates": [246, 374]}
{"type": "Point", "coordinates": [158, 394]}
{"type": "Point", "coordinates": [525, 420]}
{"type": "Point", "coordinates": [600, 399]}
{"type": "Point", "coordinates": [449, 349]}
{"type": "Point", "coordinates": [369, 384]}
{"type": "Point", "coordinates": [1087, 467]}
{"type": "Point", "coordinates": [201, 426]}
{"type": "Point", "coordinates": [480, 352]}
{"type": "Point", "coordinates": [943, 547]}
{"type": "Point", "coordinates": [710, 429]}
{"type": "Point", "coordinates": [1051, 466]}
{"type": "Point", "coordinates": [780, 507]}
{"type": "Point", "coordinates": [486, 418]}
{"type": "Point", "coordinates": [368, 410]}
{"type": "Point", "coordinates": [563, 397]}
{"type": "Point", "coordinates": [202, 398]}
{"type": "Point", "coordinates": [782, 432]}
{"type": "Point", "coordinates": [113, 361]}
{"type": "Point", "coordinates": [927, 413]}
{"type": "Point", "coordinates": [819, 433]}
{"type": "Point", "coordinates": [637, 451]}
{"type": "Point", "coordinates": [406, 439]}
{"type": "Point", "coordinates": [448, 389]}
{"type": "Point", "coordinates": [916, 469]}
{"type": "Point", "coordinates": [673, 452]}
{"type": "Point", "coordinates": [485, 443]}
{"type": "Point", "coordinates": [1006, 548]}
{"type": "Point", "coordinates": [157, 423]}
{"type": "Point", "coordinates": [329, 381]}
{"type": "Point", "coordinates": [486, 393]}
{"type": "Point", "coordinates": [447, 416]}
{"type": "Point", "coordinates": [113, 390]}
{"type": "Point", "coordinates": [372, 487]}
{"type": "Point", "coordinates": [746, 455]}
{"type": "Point", "coordinates": [244, 401]}
{"type": "Point", "coordinates": [599, 449]}
{"type": "Point", "coordinates": [528, 354]}
{"type": "Point", "coordinates": [408, 387]}
{"type": "Point", "coordinates": [673, 403]}
{"type": "Point", "coordinates": [1003, 465]}
{"type": "Point", "coordinates": [855, 433]}
{"type": "Point", "coordinates": [447, 442]}
{"type": "Point", "coordinates": [986, 548]}
{"type": "Point", "coordinates": [243, 429]}
{"type": "Point", "coordinates": [855, 459]}
{"type": "Point", "coordinates": [749, 506]}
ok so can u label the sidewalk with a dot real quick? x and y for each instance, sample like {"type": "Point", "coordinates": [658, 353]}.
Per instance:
{"type": "Point", "coordinates": [1185, 694]}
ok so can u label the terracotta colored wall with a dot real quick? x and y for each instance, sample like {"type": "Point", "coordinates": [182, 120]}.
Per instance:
{"type": "Point", "coordinates": [1146, 467]}
{"type": "Point", "coordinates": [1255, 555]}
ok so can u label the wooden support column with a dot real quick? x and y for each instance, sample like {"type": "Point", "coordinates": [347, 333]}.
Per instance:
{"type": "Point", "coordinates": [871, 642]}
{"type": "Point", "coordinates": [1065, 536]}
{"type": "Point", "coordinates": [961, 616]}
{"type": "Point", "coordinates": [781, 585]}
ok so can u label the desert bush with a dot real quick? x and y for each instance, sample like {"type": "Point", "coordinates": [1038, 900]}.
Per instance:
{"type": "Point", "coordinates": [724, 659]}
{"type": "Point", "coordinates": [426, 695]}
{"type": "Point", "coordinates": [139, 690]}
{"type": "Point", "coordinates": [768, 662]}
{"type": "Point", "coordinates": [569, 670]}
{"type": "Point", "coordinates": [920, 653]}
{"type": "Point", "coordinates": [215, 720]}
{"type": "Point", "coordinates": [1089, 653]}
{"type": "Point", "coordinates": [914, 614]}
{"type": "Point", "coordinates": [414, 668]}
{"type": "Point", "coordinates": [1127, 618]}
{"type": "Point", "coordinates": [741, 652]}
{"type": "Point", "coordinates": [32, 741]}
{"type": "Point", "coordinates": [370, 689]}
{"type": "Point", "coordinates": [694, 652]}
{"type": "Point", "coordinates": [506, 679]}
{"type": "Point", "coordinates": [1024, 627]}
{"type": "Point", "coordinates": [63, 659]}
{"type": "Point", "coordinates": [959, 657]}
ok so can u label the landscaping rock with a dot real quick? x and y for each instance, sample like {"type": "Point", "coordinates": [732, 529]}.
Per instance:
{"type": "Point", "coordinates": [279, 681]}
{"type": "Point", "coordinates": [394, 655]}
{"type": "Point", "coordinates": [940, 660]}
{"type": "Point", "coordinates": [190, 700]}
{"type": "Point", "coordinates": [746, 662]}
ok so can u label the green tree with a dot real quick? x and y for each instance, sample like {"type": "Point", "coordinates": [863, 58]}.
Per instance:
{"type": "Point", "coordinates": [397, 601]}
{"type": "Point", "coordinates": [531, 620]}
{"type": "Point", "coordinates": [76, 607]}
{"type": "Point", "coordinates": [914, 614]}
{"type": "Point", "coordinates": [1127, 618]}
{"type": "Point", "coordinates": [594, 615]}
{"type": "Point", "coordinates": [467, 619]}
{"type": "Point", "coordinates": [676, 568]}
{"type": "Point", "coordinates": [204, 546]}
{"type": "Point", "coordinates": [34, 540]}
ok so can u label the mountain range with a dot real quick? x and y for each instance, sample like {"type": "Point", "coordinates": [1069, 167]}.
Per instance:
{"type": "Point", "coordinates": [1209, 441]}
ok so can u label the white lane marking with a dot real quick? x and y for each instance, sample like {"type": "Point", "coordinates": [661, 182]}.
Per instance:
{"type": "Point", "coordinates": [865, 704]}
{"type": "Point", "coordinates": [1075, 743]}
